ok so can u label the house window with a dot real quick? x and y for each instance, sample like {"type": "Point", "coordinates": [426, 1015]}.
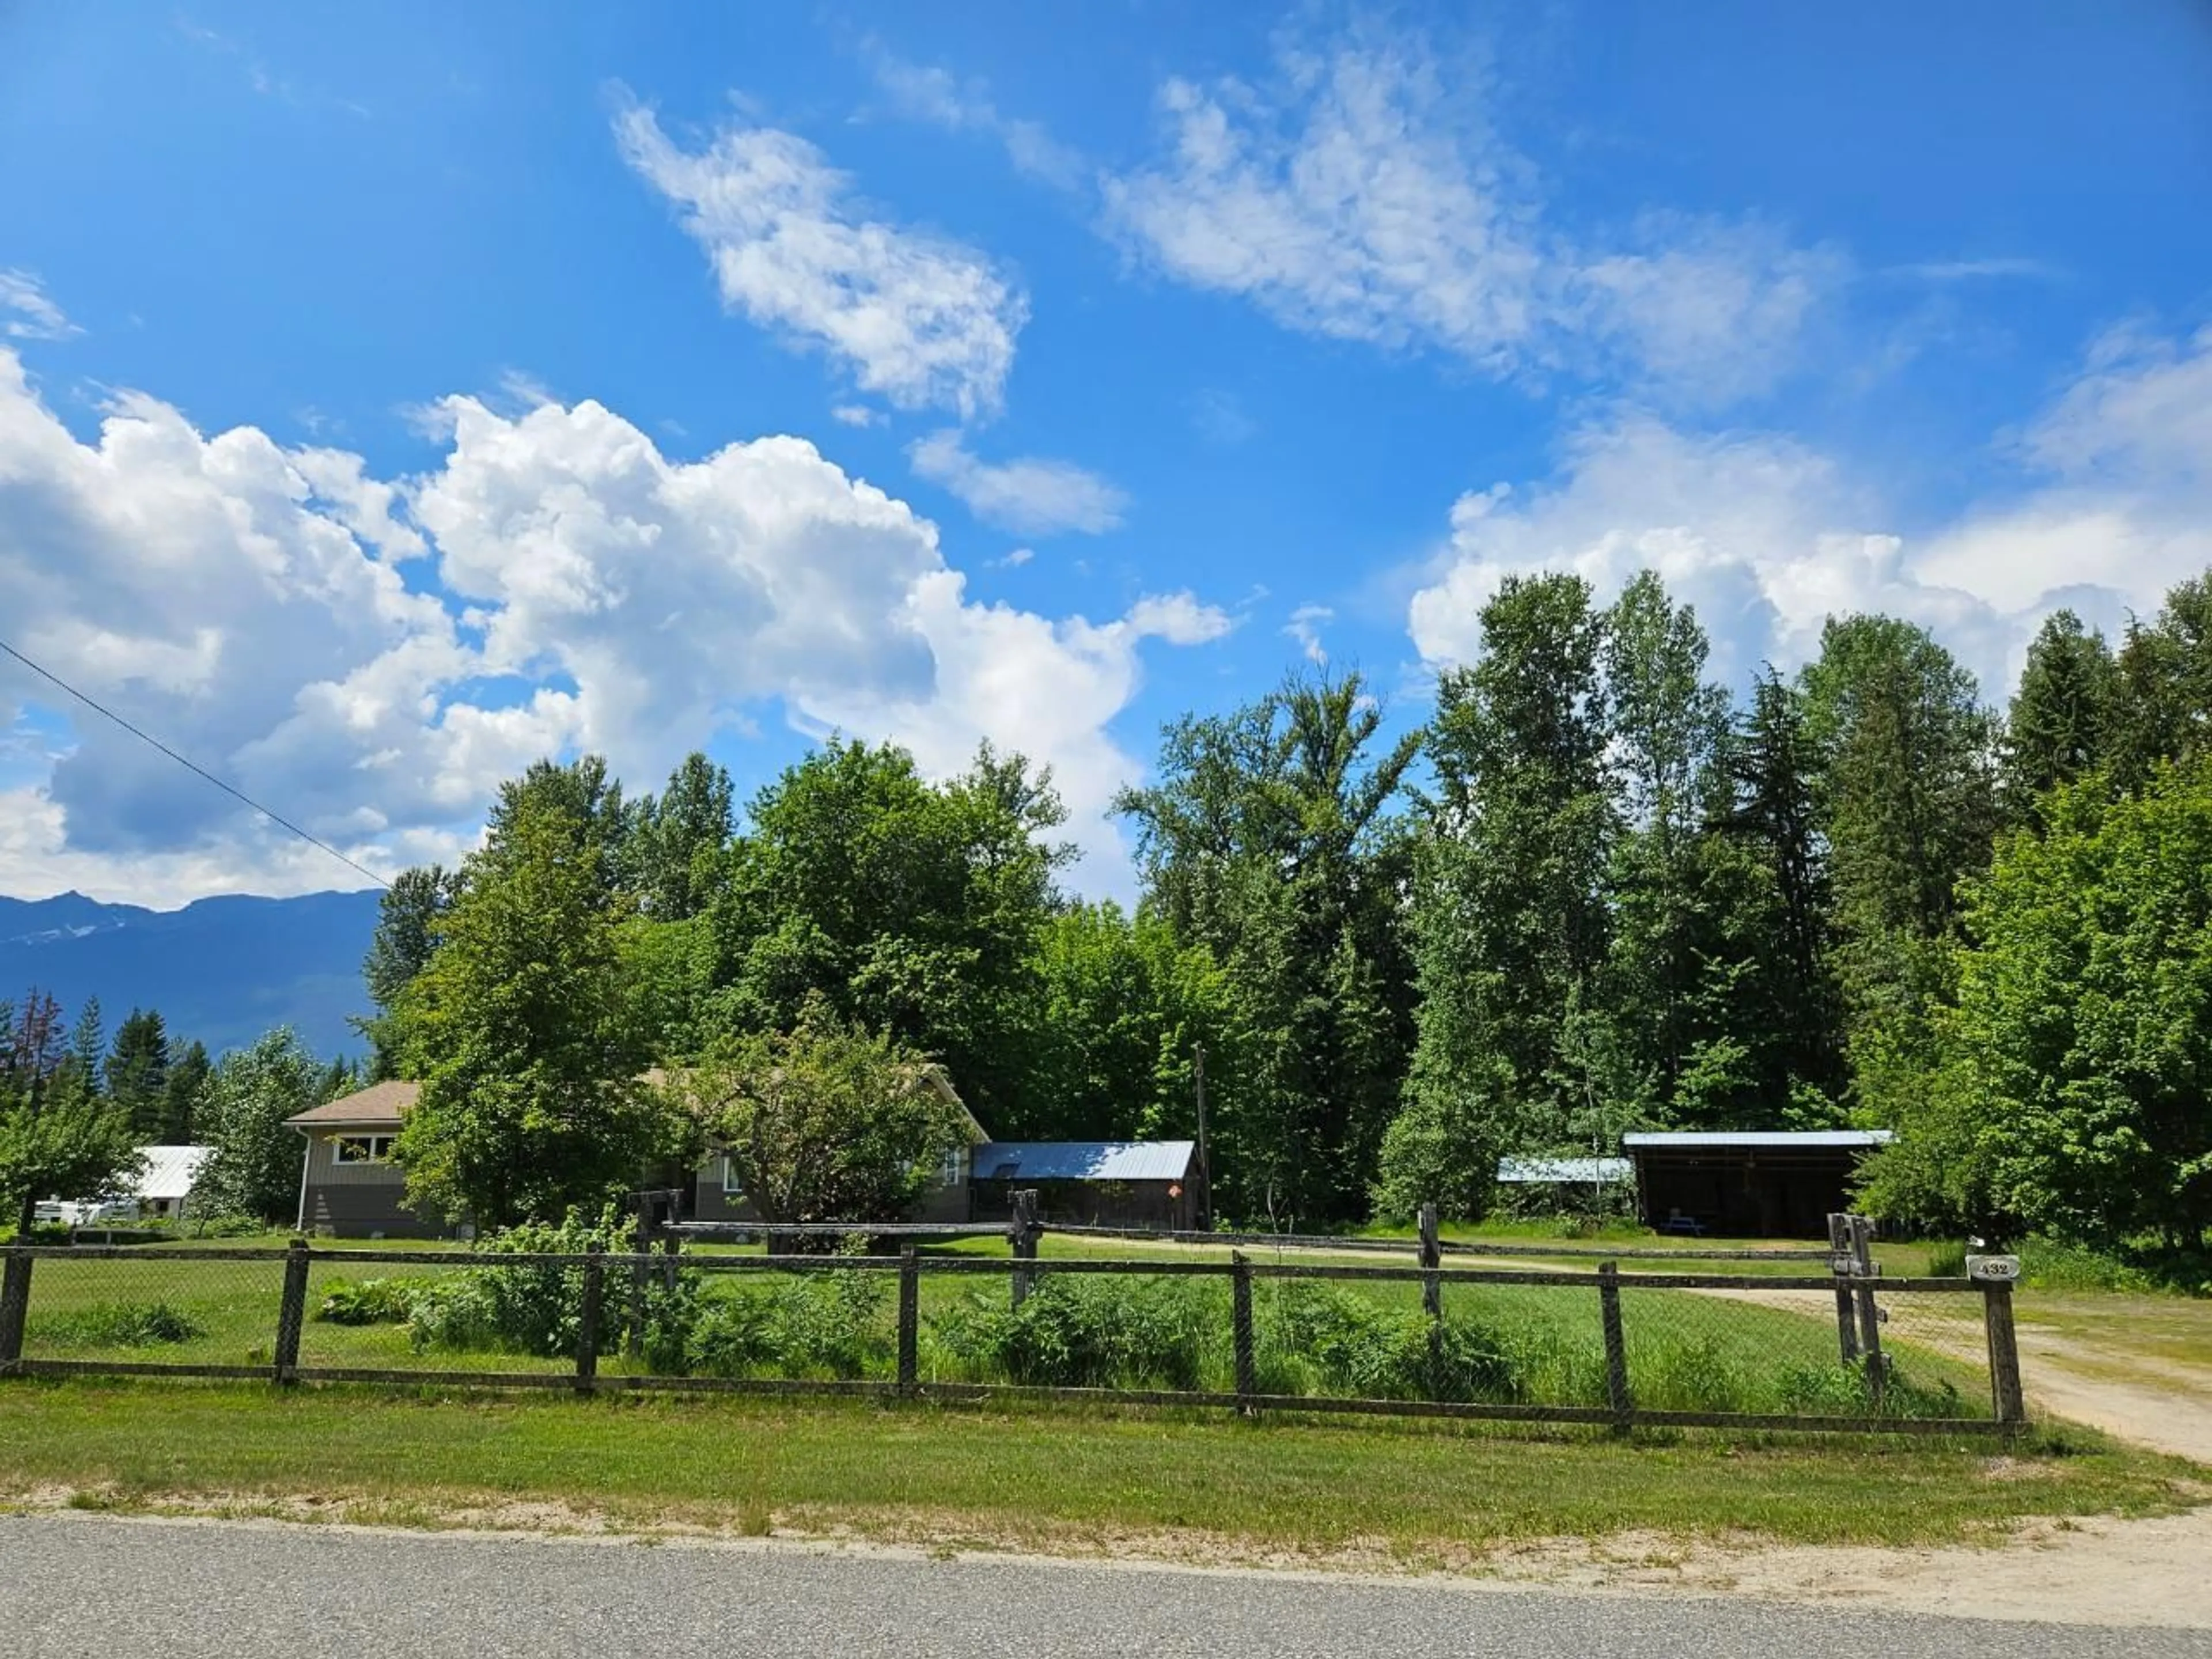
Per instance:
{"type": "Point", "coordinates": [954, 1169]}
{"type": "Point", "coordinates": [362, 1149]}
{"type": "Point", "coordinates": [731, 1187]}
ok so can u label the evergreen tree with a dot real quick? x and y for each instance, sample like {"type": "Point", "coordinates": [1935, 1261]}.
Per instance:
{"type": "Point", "coordinates": [190, 1073]}
{"type": "Point", "coordinates": [137, 1073]}
{"type": "Point", "coordinates": [1907, 792]}
{"type": "Point", "coordinates": [1509, 921]}
{"type": "Point", "coordinates": [408, 920]}
{"type": "Point", "coordinates": [523, 1030]}
{"type": "Point", "coordinates": [2062, 720]}
{"type": "Point", "coordinates": [1788, 994]}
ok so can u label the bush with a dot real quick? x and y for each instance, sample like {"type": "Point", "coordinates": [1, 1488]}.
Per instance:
{"type": "Point", "coordinates": [537, 1308]}
{"type": "Point", "coordinates": [1076, 1331]}
{"type": "Point", "coordinates": [120, 1325]}
{"type": "Point", "coordinates": [827, 1323]}
{"type": "Point", "coordinates": [369, 1301]}
{"type": "Point", "coordinates": [1350, 1345]}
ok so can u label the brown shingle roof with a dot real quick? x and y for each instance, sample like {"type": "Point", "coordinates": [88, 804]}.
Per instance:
{"type": "Point", "coordinates": [380, 1102]}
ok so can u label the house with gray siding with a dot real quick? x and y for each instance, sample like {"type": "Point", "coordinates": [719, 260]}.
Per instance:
{"type": "Point", "coordinates": [350, 1184]}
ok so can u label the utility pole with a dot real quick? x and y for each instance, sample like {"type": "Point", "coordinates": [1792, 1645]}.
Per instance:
{"type": "Point", "coordinates": [1204, 1168]}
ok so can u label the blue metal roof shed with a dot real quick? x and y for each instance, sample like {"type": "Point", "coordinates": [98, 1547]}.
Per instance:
{"type": "Point", "coordinates": [1085, 1160]}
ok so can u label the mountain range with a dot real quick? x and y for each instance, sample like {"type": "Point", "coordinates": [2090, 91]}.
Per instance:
{"type": "Point", "coordinates": [221, 970]}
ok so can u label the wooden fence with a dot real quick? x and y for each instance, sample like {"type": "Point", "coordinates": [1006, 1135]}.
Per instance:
{"type": "Point", "coordinates": [1603, 1286]}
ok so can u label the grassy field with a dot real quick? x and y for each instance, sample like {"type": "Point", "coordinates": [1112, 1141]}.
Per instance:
{"type": "Point", "coordinates": [1086, 1481]}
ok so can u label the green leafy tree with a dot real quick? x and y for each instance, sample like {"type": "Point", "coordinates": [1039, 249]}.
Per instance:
{"type": "Point", "coordinates": [825, 1122]}
{"type": "Point", "coordinates": [905, 906]}
{"type": "Point", "coordinates": [255, 1160]}
{"type": "Point", "coordinates": [676, 838]}
{"type": "Point", "coordinates": [2063, 717]}
{"type": "Point", "coordinates": [523, 1030]}
{"type": "Point", "coordinates": [1670, 1026]}
{"type": "Point", "coordinates": [1121, 1004]}
{"type": "Point", "coordinates": [2084, 1013]}
{"type": "Point", "coordinates": [1268, 839]}
{"type": "Point", "coordinates": [1511, 925]}
{"type": "Point", "coordinates": [137, 1073]}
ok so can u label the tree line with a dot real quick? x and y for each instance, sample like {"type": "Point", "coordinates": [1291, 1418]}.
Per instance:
{"type": "Point", "coordinates": [75, 1106]}
{"type": "Point", "coordinates": [1598, 891]}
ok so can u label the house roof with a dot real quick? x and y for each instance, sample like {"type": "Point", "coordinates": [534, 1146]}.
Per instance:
{"type": "Point", "coordinates": [1777, 1139]}
{"type": "Point", "coordinates": [1543, 1171]}
{"type": "Point", "coordinates": [171, 1170]}
{"type": "Point", "coordinates": [381, 1104]}
{"type": "Point", "coordinates": [1084, 1160]}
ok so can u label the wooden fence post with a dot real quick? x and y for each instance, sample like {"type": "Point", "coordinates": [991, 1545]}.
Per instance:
{"type": "Point", "coordinates": [1869, 1315]}
{"type": "Point", "coordinates": [1840, 1263]}
{"type": "Point", "coordinates": [14, 1308]}
{"type": "Point", "coordinates": [1432, 1258]}
{"type": "Point", "coordinates": [1996, 1274]}
{"type": "Point", "coordinates": [1024, 1232]}
{"type": "Point", "coordinates": [642, 1247]}
{"type": "Point", "coordinates": [588, 1322]}
{"type": "Point", "coordinates": [1616, 1393]}
{"type": "Point", "coordinates": [909, 1322]}
{"type": "Point", "coordinates": [292, 1312]}
{"type": "Point", "coordinates": [1240, 1314]}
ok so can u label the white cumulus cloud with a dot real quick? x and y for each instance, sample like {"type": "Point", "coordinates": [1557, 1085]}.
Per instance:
{"type": "Point", "coordinates": [370, 657]}
{"type": "Point", "coordinates": [917, 319]}
{"type": "Point", "coordinates": [1768, 537]}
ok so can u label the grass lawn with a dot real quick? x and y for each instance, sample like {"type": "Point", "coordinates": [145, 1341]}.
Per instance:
{"type": "Point", "coordinates": [1081, 1479]}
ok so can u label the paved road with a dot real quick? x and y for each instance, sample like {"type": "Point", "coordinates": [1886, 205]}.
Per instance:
{"type": "Point", "coordinates": [72, 1585]}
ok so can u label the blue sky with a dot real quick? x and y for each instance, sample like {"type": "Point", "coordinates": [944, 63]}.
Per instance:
{"type": "Point", "coordinates": [390, 394]}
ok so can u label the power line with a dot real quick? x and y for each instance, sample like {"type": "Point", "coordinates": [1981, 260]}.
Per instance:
{"type": "Point", "coordinates": [190, 766]}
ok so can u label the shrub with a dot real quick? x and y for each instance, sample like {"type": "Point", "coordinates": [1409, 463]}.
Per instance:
{"type": "Point", "coordinates": [1079, 1331]}
{"type": "Point", "coordinates": [369, 1301]}
{"type": "Point", "coordinates": [827, 1323]}
{"type": "Point", "coordinates": [537, 1308]}
{"type": "Point", "coordinates": [120, 1325]}
{"type": "Point", "coordinates": [1352, 1347]}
